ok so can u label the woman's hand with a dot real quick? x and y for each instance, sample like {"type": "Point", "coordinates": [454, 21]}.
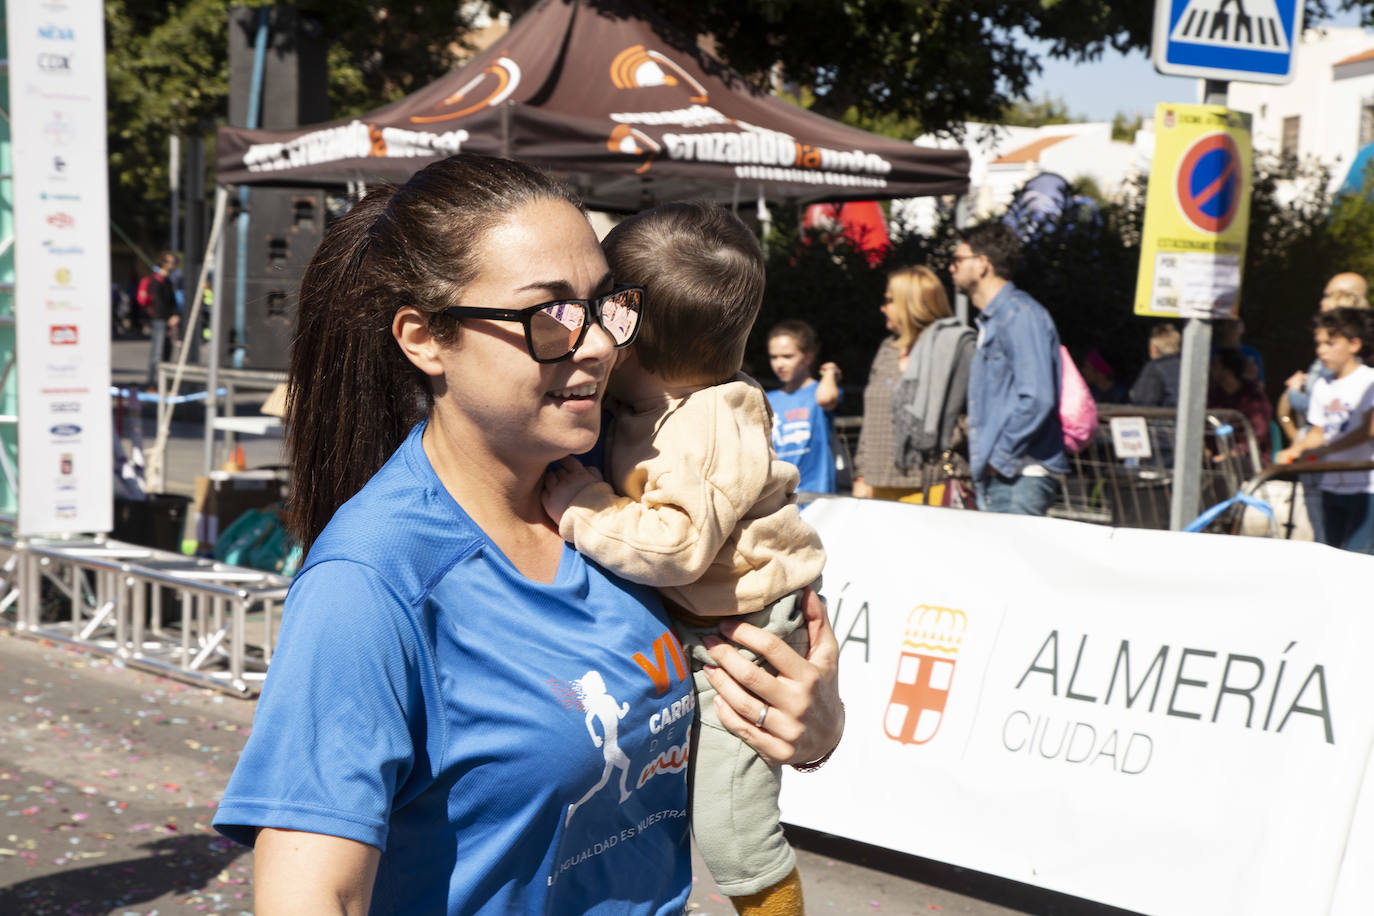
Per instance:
{"type": "Point", "coordinates": [862, 490]}
{"type": "Point", "coordinates": [805, 717]}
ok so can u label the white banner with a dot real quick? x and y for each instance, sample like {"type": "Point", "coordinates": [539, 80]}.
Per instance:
{"type": "Point", "coordinates": [62, 264]}
{"type": "Point", "coordinates": [1171, 723]}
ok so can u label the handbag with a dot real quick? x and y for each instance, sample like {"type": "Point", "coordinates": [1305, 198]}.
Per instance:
{"type": "Point", "coordinates": [947, 482]}
{"type": "Point", "coordinates": [1077, 409]}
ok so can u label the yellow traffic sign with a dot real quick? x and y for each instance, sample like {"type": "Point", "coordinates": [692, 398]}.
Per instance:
{"type": "Point", "coordinates": [1197, 213]}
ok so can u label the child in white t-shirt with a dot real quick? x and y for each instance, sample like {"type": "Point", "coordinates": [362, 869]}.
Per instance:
{"type": "Point", "coordinates": [1341, 418]}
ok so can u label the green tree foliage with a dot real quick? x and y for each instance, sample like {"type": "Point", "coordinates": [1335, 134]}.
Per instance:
{"type": "Point", "coordinates": [167, 72]}
{"type": "Point", "coordinates": [1025, 113]}
{"type": "Point", "coordinates": [1352, 227]}
{"type": "Point", "coordinates": [939, 62]}
{"type": "Point", "coordinates": [1125, 128]}
{"type": "Point", "coordinates": [901, 67]}
{"type": "Point", "coordinates": [1292, 250]}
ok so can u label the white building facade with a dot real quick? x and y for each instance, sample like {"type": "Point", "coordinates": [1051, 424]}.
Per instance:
{"type": "Point", "coordinates": [1326, 114]}
{"type": "Point", "coordinates": [1002, 159]}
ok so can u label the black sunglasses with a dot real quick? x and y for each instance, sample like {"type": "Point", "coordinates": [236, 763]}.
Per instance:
{"type": "Point", "coordinates": [554, 330]}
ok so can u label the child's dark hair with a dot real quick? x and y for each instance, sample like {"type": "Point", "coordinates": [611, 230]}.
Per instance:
{"type": "Point", "coordinates": [996, 241]}
{"type": "Point", "coordinates": [802, 333]}
{"type": "Point", "coordinates": [352, 395]}
{"type": "Point", "coordinates": [1350, 323]}
{"type": "Point", "coordinates": [1233, 360]}
{"type": "Point", "coordinates": [702, 272]}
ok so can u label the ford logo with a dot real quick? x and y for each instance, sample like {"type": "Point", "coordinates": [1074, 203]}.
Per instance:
{"type": "Point", "coordinates": [65, 429]}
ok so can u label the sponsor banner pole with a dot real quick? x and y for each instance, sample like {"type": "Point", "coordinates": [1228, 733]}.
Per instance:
{"type": "Point", "coordinates": [62, 266]}
{"type": "Point", "coordinates": [9, 410]}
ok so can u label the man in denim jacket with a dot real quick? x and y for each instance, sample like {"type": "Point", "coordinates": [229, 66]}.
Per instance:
{"type": "Point", "coordinates": [1016, 446]}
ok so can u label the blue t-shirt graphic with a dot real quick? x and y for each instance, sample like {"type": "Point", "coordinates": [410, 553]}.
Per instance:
{"type": "Point", "coordinates": [511, 746]}
{"type": "Point", "coordinates": [801, 435]}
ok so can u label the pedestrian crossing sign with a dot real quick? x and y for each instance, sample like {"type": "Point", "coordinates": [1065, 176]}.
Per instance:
{"type": "Point", "coordinates": [1249, 41]}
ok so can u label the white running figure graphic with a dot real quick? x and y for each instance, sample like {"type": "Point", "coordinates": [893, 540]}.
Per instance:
{"type": "Point", "coordinates": [602, 707]}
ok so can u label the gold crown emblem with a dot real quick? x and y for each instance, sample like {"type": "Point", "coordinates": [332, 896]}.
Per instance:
{"type": "Point", "coordinates": [935, 629]}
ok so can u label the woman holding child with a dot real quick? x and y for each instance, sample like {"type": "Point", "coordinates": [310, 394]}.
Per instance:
{"type": "Point", "coordinates": [463, 715]}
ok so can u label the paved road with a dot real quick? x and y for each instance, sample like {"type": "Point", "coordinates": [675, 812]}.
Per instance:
{"type": "Point", "coordinates": [109, 776]}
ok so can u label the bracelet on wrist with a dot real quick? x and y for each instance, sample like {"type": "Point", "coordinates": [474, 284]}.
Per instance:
{"type": "Point", "coordinates": [814, 765]}
{"type": "Point", "coordinates": [819, 762]}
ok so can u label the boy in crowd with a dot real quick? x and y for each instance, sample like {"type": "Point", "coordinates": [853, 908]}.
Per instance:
{"type": "Point", "coordinates": [702, 509]}
{"type": "Point", "coordinates": [1341, 428]}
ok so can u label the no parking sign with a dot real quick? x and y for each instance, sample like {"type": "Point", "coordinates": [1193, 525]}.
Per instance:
{"type": "Point", "coordinates": [1197, 213]}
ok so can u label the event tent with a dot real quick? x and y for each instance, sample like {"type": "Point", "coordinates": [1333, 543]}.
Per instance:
{"type": "Point", "coordinates": [630, 114]}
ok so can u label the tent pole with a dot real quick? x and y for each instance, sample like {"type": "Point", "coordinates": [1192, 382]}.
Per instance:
{"type": "Point", "coordinates": [765, 220]}
{"type": "Point", "coordinates": [734, 200]}
{"type": "Point", "coordinates": [216, 249]}
{"type": "Point", "coordinates": [244, 221]}
{"type": "Point", "coordinates": [505, 128]}
{"type": "Point", "coordinates": [156, 463]}
{"type": "Point", "coordinates": [962, 218]}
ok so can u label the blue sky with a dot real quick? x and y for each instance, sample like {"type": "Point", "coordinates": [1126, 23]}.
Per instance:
{"type": "Point", "coordinates": [1115, 83]}
{"type": "Point", "coordinates": [1121, 83]}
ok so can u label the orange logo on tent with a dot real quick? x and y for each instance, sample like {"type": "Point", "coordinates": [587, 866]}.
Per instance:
{"type": "Point", "coordinates": [925, 672]}
{"type": "Point", "coordinates": [499, 79]}
{"type": "Point", "coordinates": [376, 141]}
{"type": "Point", "coordinates": [625, 139]}
{"type": "Point", "coordinates": [639, 68]}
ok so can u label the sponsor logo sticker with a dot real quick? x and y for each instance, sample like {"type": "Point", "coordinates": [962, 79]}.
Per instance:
{"type": "Point", "coordinates": [50, 62]}
{"type": "Point", "coordinates": [54, 32]}
{"type": "Point", "coordinates": [62, 335]}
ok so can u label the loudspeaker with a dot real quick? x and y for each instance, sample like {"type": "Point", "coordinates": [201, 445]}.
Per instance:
{"type": "Point", "coordinates": [284, 228]}
{"type": "Point", "coordinates": [270, 320]}
{"type": "Point", "coordinates": [284, 225]}
{"type": "Point", "coordinates": [295, 75]}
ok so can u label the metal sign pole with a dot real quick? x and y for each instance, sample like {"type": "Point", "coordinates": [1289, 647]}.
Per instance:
{"type": "Point", "coordinates": [963, 217]}
{"type": "Point", "coordinates": [1195, 362]}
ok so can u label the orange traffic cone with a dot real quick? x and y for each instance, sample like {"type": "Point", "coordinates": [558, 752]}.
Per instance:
{"type": "Point", "coordinates": [235, 462]}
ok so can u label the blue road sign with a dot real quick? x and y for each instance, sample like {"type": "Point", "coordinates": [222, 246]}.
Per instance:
{"type": "Point", "coordinates": [1249, 41]}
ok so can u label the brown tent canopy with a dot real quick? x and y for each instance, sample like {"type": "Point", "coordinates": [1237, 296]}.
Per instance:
{"type": "Point", "coordinates": [592, 91]}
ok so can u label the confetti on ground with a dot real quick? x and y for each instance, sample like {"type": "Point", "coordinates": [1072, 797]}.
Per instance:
{"type": "Point", "coordinates": [80, 760]}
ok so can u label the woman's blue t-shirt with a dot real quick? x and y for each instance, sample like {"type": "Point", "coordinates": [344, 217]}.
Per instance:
{"type": "Point", "coordinates": [510, 746]}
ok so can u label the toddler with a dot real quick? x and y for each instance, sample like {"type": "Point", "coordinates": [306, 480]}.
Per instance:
{"type": "Point", "coordinates": [702, 509]}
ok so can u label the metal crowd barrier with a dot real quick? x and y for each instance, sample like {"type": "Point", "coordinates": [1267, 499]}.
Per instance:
{"type": "Point", "coordinates": [1290, 512]}
{"type": "Point", "coordinates": [1135, 491]}
{"type": "Point", "coordinates": [1105, 488]}
{"type": "Point", "coordinates": [194, 619]}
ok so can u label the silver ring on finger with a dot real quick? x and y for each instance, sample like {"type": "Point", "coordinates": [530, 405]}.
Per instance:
{"type": "Point", "coordinates": [762, 715]}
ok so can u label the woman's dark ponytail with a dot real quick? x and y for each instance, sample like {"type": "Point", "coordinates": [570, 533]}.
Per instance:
{"type": "Point", "coordinates": [352, 394]}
